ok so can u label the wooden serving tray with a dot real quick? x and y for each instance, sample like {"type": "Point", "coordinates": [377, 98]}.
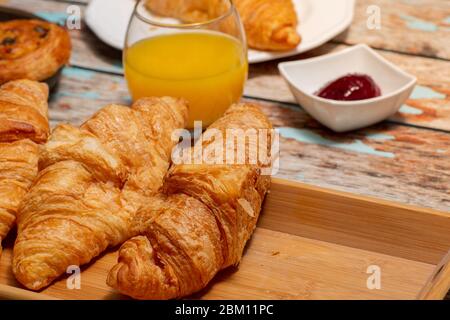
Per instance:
{"type": "Point", "coordinates": [311, 243]}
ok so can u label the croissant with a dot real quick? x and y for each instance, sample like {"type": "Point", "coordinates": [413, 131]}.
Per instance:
{"type": "Point", "coordinates": [269, 24]}
{"type": "Point", "coordinates": [190, 11]}
{"type": "Point", "coordinates": [203, 218]}
{"type": "Point", "coordinates": [23, 123]}
{"type": "Point", "coordinates": [92, 181]}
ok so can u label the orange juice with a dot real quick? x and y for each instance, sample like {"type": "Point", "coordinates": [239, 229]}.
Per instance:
{"type": "Point", "coordinates": [208, 69]}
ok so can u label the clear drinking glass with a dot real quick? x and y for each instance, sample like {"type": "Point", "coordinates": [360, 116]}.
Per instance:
{"type": "Point", "coordinates": [188, 49]}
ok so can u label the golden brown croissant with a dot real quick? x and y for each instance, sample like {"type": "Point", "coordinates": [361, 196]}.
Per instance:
{"type": "Point", "coordinates": [93, 179]}
{"type": "Point", "coordinates": [202, 220]}
{"type": "Point", "coordinates": [23, 122]}
{"type": "Point", "coordinates": [269, 24]}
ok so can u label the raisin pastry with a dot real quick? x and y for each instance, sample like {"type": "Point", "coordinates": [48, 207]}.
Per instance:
{"type": "Point", "coordinates": [32, 49]}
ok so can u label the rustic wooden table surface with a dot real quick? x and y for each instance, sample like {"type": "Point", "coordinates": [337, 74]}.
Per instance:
{"type": "Point", "coordinates": [405, 159]}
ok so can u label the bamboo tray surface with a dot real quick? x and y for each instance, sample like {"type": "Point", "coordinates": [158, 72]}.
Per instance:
{"type": "Point", "coordinates": [310, 243]}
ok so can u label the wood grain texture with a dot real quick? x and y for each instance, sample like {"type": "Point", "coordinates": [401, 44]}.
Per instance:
{"type": "Point", "coordinates": [276, 266]}
{"type": "Point", "coordinates": [13, 293]}
{"type": "Point", "coordinates": [439, 281]}
{"type": "Point", "coordinates": [281, 265]}
{"type": "Point", "coordinates": [82, 92]}
{"type": "Point", "coordinates": [371, 224]}
{"type": "Point", "coordinates": [389, 161]}
{"type": "Point", "coordinates": [429, 105]}
{"type": "Point", "coordinates": [419, 27]}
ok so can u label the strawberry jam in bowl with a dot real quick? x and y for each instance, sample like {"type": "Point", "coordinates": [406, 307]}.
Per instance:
{"type": "Point", "coordinates": [351, 87]}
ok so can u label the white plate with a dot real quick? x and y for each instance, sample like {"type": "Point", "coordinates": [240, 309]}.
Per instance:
{"type": "Point", "coordinates": [320, 21]}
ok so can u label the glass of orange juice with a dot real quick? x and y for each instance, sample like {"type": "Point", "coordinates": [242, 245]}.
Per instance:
{"type": "Point", "coordinates": [192, 49]}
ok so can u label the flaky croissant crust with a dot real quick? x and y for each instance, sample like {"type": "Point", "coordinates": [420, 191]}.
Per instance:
{"type": "Point", "coordinates": [23, 121]}
{"type": "Point", "coordinates": [18, 168]}
{"type": "Point", "coordinates": [24, 111]}
{"type": "Point", "coordinates": [198, 225]}
{"type": "Point", "coordinates": [171, 227]}
{"type": "Point", "coordinates": [93, 180]}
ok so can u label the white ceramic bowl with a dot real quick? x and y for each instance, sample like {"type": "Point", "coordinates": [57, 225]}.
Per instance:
{"type": "Point", "coordinates": [306, 77]}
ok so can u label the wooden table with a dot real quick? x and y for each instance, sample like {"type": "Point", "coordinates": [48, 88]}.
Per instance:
{"type": "Point", "coordinates": [405, 159]}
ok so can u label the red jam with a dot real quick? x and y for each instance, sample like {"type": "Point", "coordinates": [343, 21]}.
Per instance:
{"type": "Point", "coordinates": [350, 88]}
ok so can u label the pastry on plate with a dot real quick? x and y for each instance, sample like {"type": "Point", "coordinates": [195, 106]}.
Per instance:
{"type": "Point", "coordinates": [92, 180]}
{"type": "Point", "coordinates": [269, 24]}
{"type": "Point", "coordinates": [204, 216]}
{"type": "Point", "coordinates": [23, 124]}
{"type": "Point", "coordinates": [32, 49]}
